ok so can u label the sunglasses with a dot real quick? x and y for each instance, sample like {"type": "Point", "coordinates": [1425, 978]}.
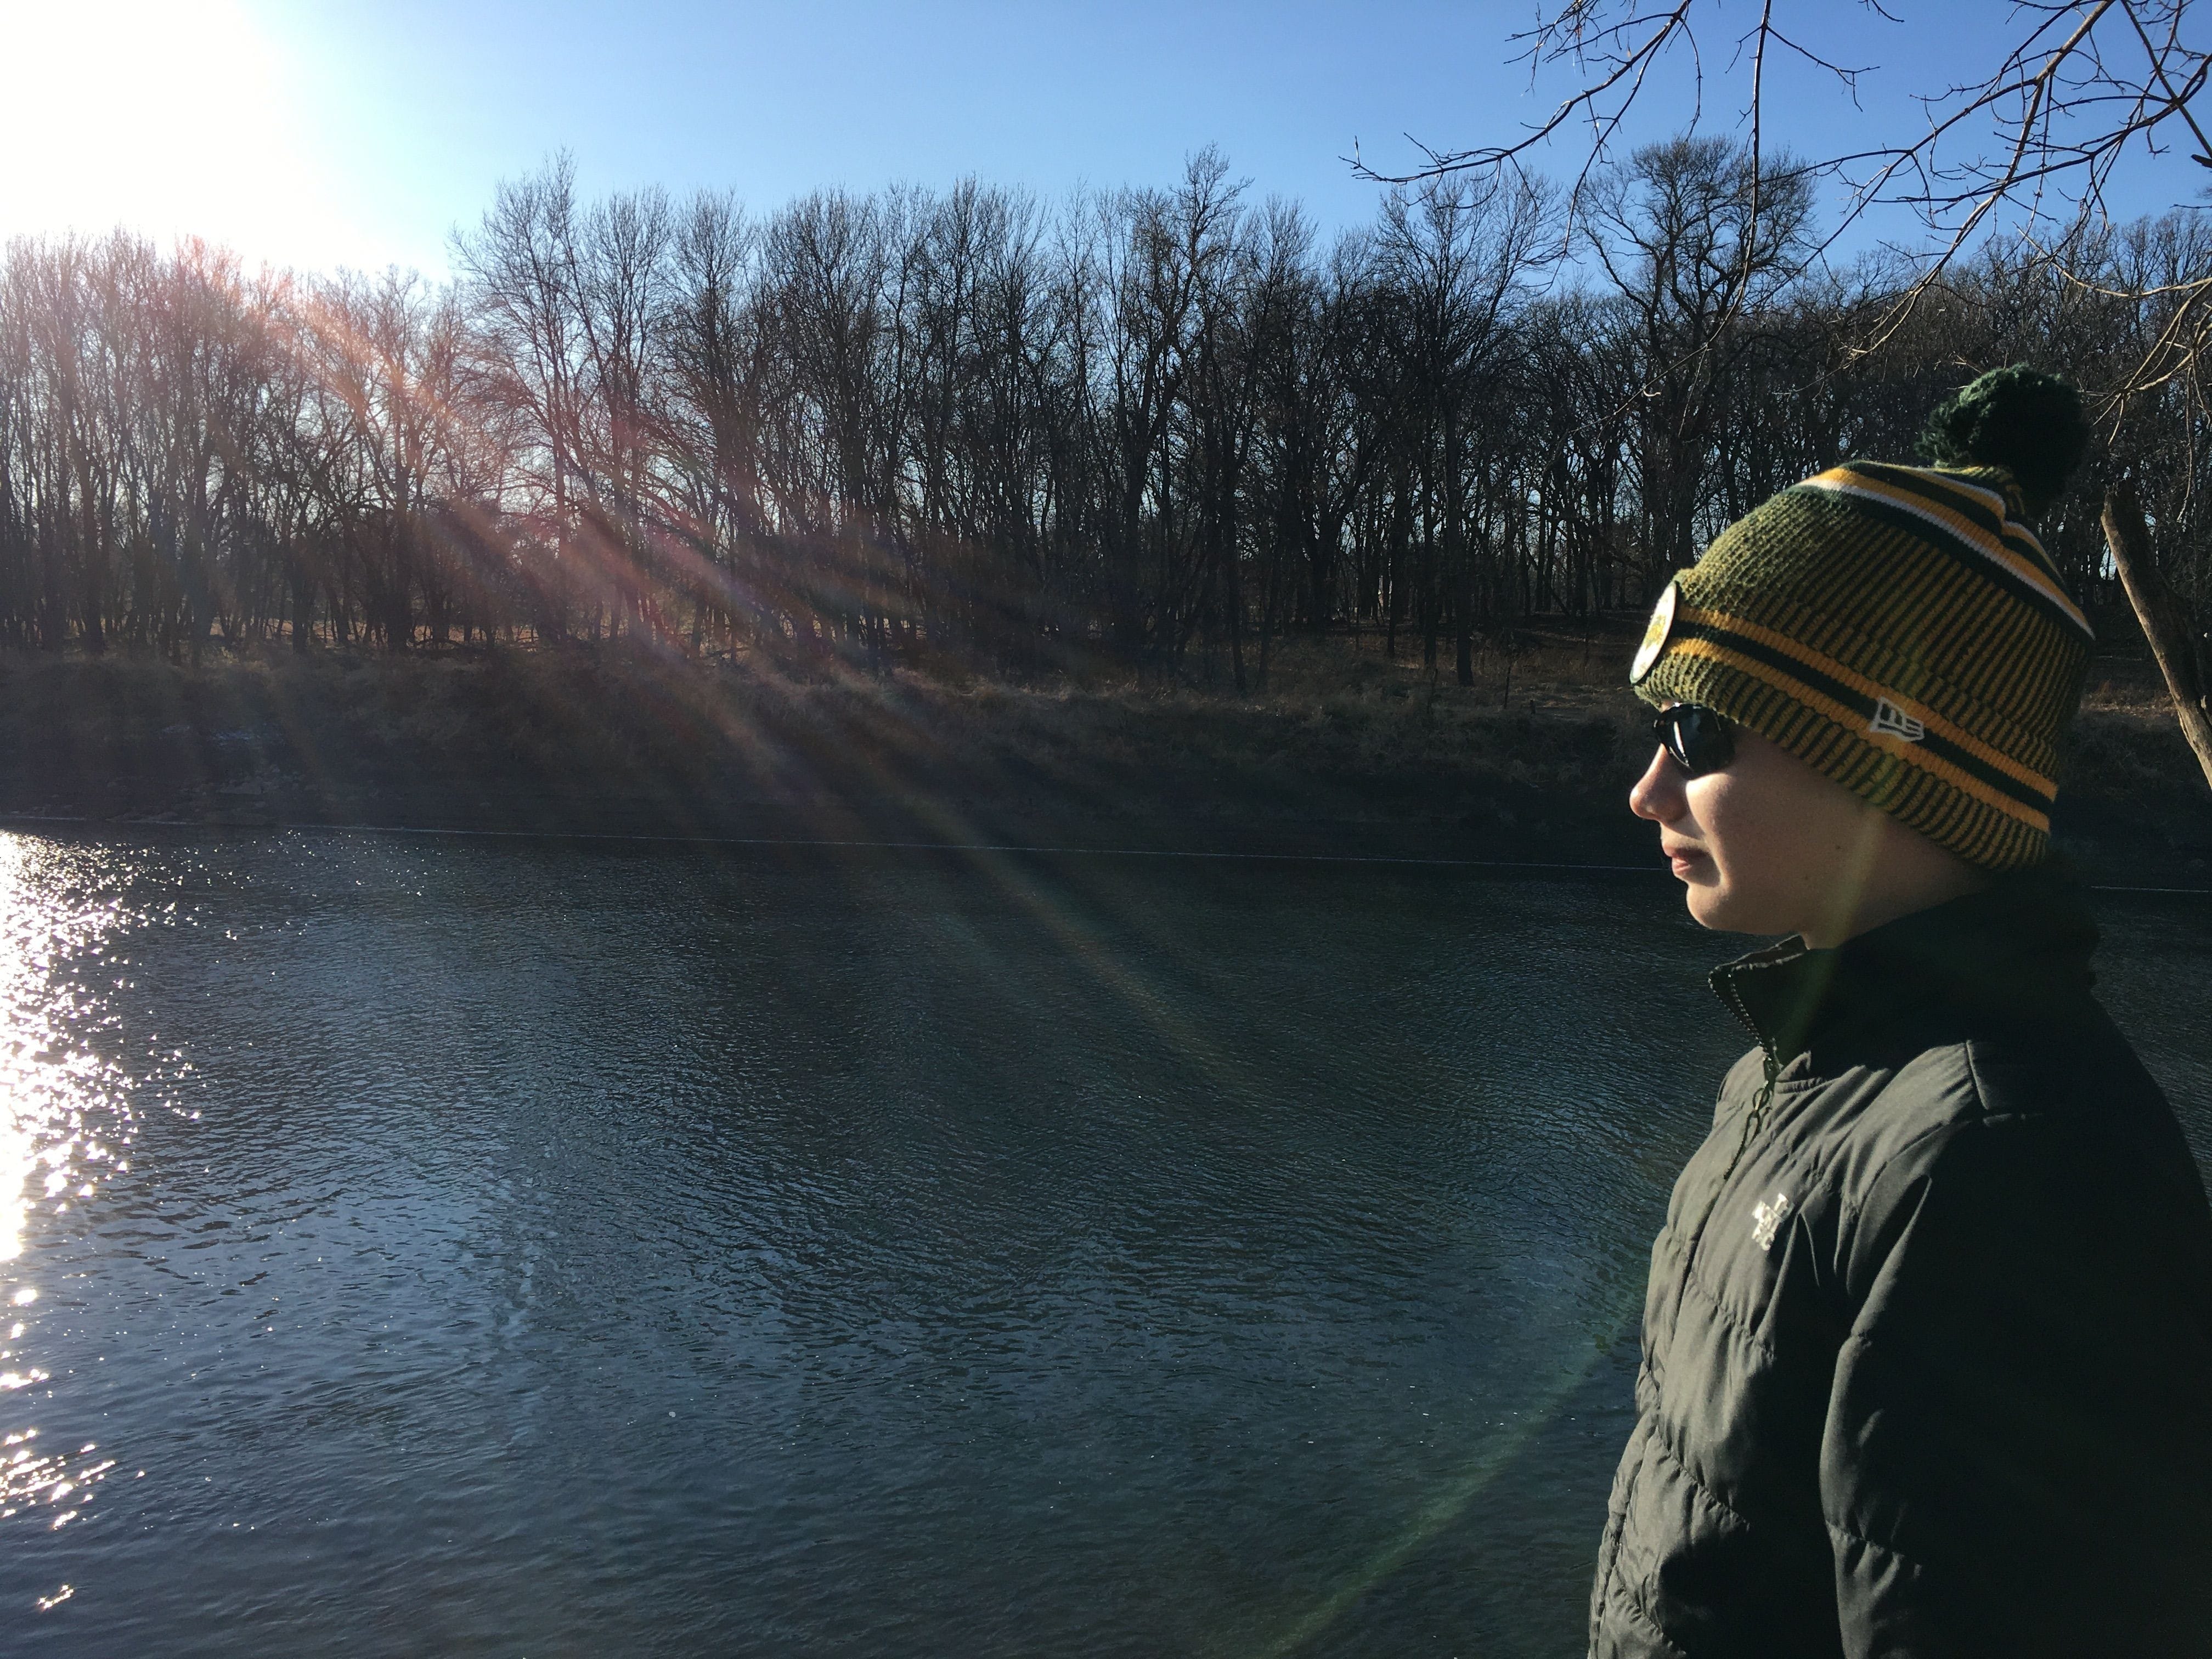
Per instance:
{"type": "Point", "coordinates": [1695, 737]}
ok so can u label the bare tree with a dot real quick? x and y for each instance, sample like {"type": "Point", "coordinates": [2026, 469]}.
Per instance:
{"type": "Point", "coordinates": [1158, 427]}
{"type": "Point", "coordinates": [2026, 146]}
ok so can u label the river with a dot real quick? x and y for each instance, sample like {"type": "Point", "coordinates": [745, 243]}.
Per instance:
{"type": "Point", "coordinates": [440, 1246]}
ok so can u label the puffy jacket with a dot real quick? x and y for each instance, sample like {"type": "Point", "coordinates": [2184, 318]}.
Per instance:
{"type": "Point", "coordinates": [1926, 1363]}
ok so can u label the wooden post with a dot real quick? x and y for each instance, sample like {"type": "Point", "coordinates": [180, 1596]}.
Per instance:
{"type": "Point", "coordinates": [2165, 619]}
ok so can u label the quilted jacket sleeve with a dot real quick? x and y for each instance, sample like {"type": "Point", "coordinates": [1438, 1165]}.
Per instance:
{"type": "Point", "coordinates": [2016, 1458]}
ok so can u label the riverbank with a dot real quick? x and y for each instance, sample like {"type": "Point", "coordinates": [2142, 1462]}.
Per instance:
{"type": "Point", "coordinates": [1345, 753]}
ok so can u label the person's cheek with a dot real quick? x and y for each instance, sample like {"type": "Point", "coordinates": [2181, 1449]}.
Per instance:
{"type": "Point", "coordinates": [1751, 841]}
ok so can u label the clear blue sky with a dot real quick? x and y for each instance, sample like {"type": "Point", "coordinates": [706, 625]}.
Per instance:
{"type": "Point", "coordinates": [360, 132]}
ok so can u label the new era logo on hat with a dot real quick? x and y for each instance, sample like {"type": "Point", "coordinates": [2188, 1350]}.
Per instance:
{"type": "Point", "coordinates": [1890, 722]}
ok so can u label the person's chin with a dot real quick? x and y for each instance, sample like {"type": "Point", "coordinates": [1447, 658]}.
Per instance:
{"type": "Point", "coordinates": [1703, 893]}
{"type": "Point", "coordinates": [1713, 904]}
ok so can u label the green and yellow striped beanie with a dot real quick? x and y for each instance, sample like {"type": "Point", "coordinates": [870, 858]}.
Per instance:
{"type": "Point", "coordinates": [1901, 629]}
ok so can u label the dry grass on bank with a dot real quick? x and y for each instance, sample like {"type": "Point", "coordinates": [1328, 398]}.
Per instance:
{"type": "Point", "coordinates": [1545, 739]}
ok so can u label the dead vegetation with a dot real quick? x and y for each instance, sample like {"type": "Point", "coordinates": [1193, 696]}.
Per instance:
{"type": "Point", "coordinates": [1345, 750]}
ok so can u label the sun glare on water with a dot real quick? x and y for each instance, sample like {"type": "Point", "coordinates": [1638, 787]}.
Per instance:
{"type": "Point", "coordinates": [65, 1119]}
{"type": "Point", "coordinates": [61, 1114]}
{"type": "Point", "coordinates": [65, 1130]}
{"type": "Point", "coordinates": [171, 120]}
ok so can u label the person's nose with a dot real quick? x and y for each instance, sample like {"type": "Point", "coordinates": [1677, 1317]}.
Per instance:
{"type": "Point", "coordinates": [1658, 794]}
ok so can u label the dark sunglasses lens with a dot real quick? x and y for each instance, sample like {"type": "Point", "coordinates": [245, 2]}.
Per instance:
{"type": "Point", "coordinates": [1696, 738]}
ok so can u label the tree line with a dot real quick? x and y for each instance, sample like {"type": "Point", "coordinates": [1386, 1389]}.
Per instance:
{"type": "Point", "coordinates": [1169, 426]}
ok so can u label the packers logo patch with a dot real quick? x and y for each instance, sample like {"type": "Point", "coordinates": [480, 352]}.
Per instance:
{"type": "Point", "coordinates": [1655, 635]}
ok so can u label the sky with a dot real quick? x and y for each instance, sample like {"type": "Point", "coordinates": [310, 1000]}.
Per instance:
{"type": "Point", "coordinates": [321, 133]}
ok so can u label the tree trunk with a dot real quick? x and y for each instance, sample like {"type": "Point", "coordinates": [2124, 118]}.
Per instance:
{"type": "Point", "coordinates": [1457, 548]}
{"type": "Point", "coordinates": [2166, 622]}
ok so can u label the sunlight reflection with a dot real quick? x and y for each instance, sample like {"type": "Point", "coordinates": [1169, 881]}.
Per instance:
{"type": "Point", "coordinates": [56, 1096]}
{"type": "Point", "coordinates": [64, 1121]}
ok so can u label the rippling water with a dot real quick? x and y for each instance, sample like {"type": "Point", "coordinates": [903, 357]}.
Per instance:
{"type": "Point", "coordinates": [474, 1247]}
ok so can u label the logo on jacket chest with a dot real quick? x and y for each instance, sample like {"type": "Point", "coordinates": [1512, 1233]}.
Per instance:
{"type": "Point", "coordinates": [1766, 1218]}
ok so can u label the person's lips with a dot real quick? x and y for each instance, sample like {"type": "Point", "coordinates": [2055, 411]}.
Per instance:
{"type": "Point", "coordinates": [1683, 857]}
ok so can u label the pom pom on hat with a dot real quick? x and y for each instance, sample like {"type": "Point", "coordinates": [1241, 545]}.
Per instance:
{"type": "Point", "coordinates": [2030, 423]}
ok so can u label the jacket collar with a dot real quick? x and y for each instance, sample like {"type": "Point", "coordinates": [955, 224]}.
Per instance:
{"type": "Point", "coordinates": [2019, 947]}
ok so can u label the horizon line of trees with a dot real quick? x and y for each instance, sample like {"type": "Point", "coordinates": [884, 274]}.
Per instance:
{"type": "Point", "coordinates": [1168, 426]}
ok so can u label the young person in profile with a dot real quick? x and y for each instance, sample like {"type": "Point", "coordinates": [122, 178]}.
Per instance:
{"type": "Point", "coordinates": [1927, 1364]}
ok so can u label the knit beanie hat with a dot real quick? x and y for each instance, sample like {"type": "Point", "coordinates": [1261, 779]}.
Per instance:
{"type": "Point", "coordinates": [1899, 628]}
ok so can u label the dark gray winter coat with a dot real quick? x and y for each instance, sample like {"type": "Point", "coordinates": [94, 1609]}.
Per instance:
{"type": "Point", "coordinates": [1927, 1346]}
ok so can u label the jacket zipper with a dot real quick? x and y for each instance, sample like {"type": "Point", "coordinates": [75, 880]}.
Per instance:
{"type": "Point", "coordinates": [1754, 1120]}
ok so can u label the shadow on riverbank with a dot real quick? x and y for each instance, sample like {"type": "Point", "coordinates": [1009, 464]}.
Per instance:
{"type": "Point", "coordinates": [1345, 754]}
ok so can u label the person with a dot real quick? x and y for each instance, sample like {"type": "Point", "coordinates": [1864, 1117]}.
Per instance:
{"type": "Point", "coordinates": [1927, 1352]}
